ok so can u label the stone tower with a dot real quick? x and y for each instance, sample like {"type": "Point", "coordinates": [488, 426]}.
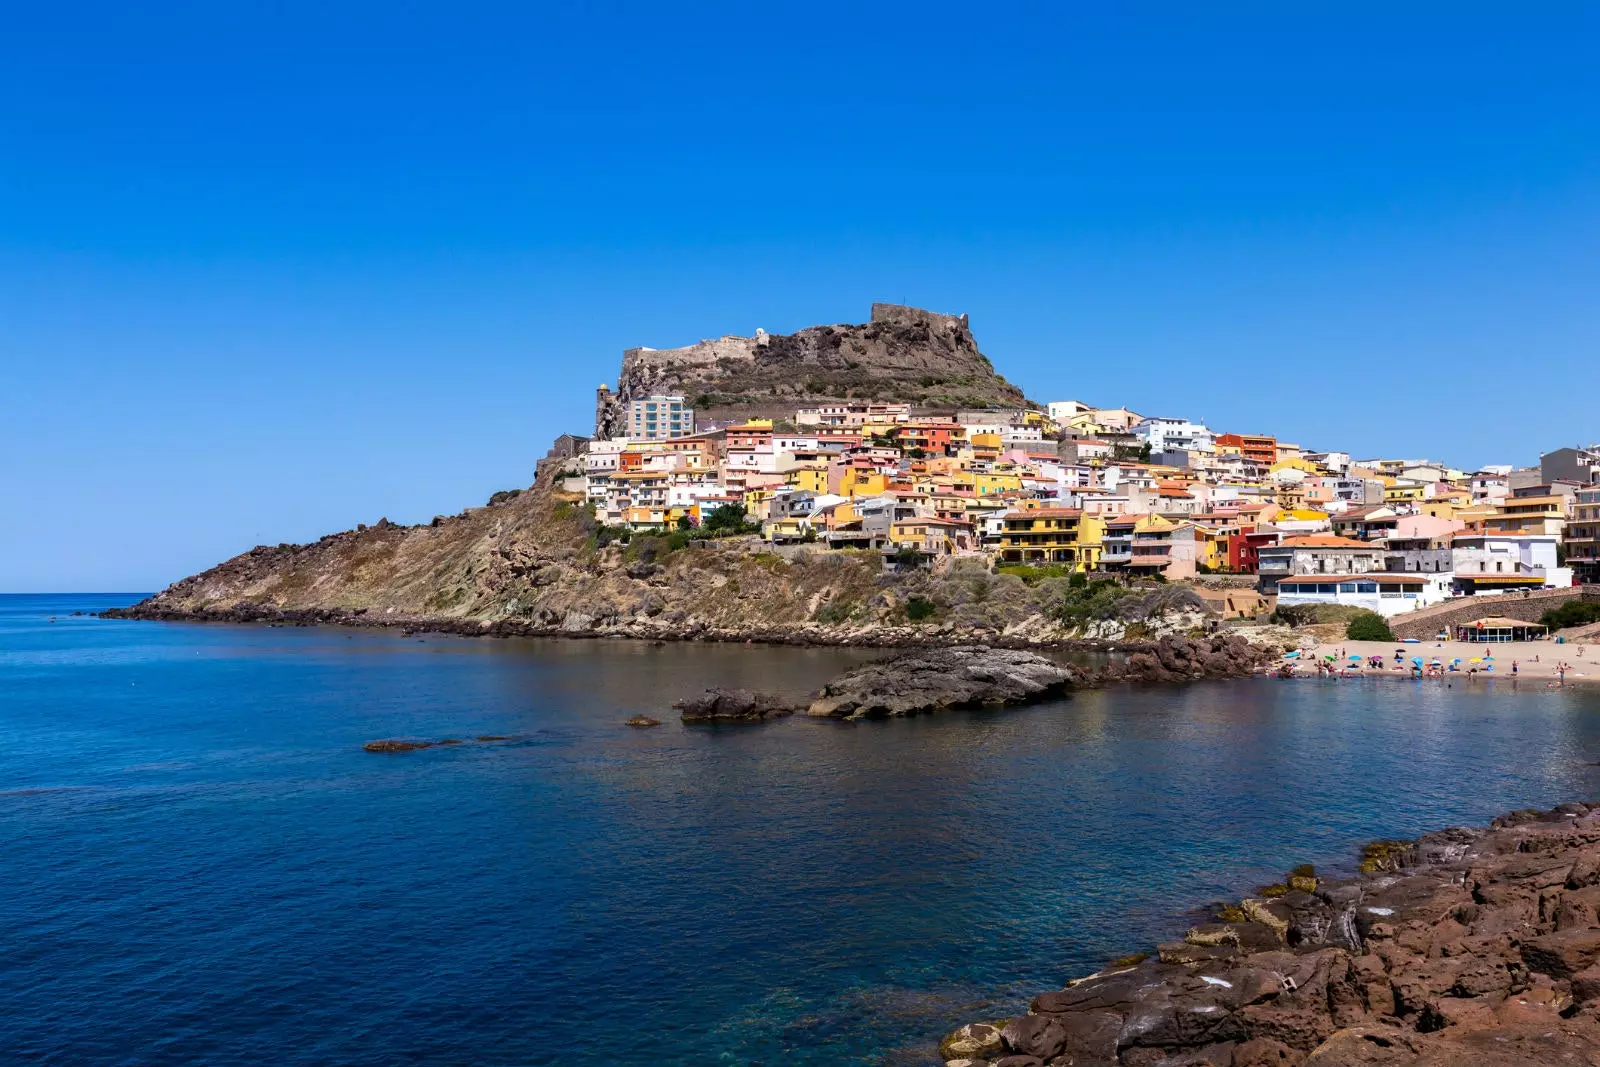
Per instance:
{"type": "Point", "coordinates": [607, 413]}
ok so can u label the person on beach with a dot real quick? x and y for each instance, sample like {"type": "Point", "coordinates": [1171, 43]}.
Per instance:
{"type": "Point", "coordinates": [1513, 668]}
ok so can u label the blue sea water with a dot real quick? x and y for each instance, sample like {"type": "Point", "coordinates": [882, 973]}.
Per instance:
{"type": "Point", "coordinates": [200, 865]}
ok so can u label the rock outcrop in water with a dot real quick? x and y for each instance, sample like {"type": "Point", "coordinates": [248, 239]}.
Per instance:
{"type": "Point", "coordinates": [1465, 948]}
{"type": "Point", "coordinates": [961, 677]}
{"type": "Point", "coordinates": [733, 706]}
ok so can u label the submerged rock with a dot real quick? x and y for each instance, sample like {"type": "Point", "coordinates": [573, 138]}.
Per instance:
{"type": "Point", "coordinates": [641, 721]}
{"type": "Point", "coordinates": [967, 676]}
{"type": "Point", "coordinates": [733, 706]}
{"type": "Point", "coordinates": [397, 744]}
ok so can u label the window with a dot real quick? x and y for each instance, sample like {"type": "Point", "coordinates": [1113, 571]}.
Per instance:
{"type": "Point", "coordinates": [1366, 587]}
{"type": "Point", "coordinates": [1347, 587]}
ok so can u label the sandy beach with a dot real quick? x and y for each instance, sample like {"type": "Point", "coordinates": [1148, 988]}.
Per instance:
{"type": "Point", "coordinates": [1535, 660]}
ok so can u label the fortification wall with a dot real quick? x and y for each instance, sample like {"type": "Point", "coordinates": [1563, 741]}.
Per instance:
{"type": "Point", "coordinates": [907, 316]}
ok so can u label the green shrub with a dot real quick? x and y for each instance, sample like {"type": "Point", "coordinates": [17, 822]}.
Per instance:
{"type": "Point", "coordinates": [1032, 573]}
{"type": "Point", "coordinates": [907, 557]}
{"type": "Point", "coordinates": [1368, 626]}
{"type": "Point", "coordinates": [1572, 613]}
{"type": "Point", "coordinates": [504, 495]}
{"type": "Point", "coordinates": [835, 611]}
{"type": "Point", "coordinates": [727, 520]}
{"type": "Point", "coordinates": [918, 609]}
{"type": "Point", "coordinates": [1092, 601]}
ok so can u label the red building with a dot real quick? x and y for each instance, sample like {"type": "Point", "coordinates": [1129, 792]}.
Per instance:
{"type": "Point", "coordinates": [1244, 549]}
{"type": "Point", "coordinates": [931, 437]}
{"type": "Point", "coordinates": [1254, 447]}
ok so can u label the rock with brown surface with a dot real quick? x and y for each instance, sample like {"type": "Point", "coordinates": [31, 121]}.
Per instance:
{"type": "Point", "coordinates": [1466, 947]}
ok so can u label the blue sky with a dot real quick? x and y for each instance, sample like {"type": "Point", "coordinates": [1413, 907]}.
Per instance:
{"type": "Point", "coordinates": [267, 271]}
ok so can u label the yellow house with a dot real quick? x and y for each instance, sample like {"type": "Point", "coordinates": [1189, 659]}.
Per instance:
{"type": "Point", "coordinates": [1395, 493]}
{"type": "Point", "coordinates": [1091, 536]}
{"type": "Point", "coordinates": [1445, 505]}
{"type": "Point", "coordinates": [1040, 535]}
{"type": "Point", "coordinates": [985, 445]}
{"type": "Point", "coordinates": [813, 478]}
{"type": "Point", "coordinates": [987, 484]}
{"type": "Point", "coordinates": [1294, 463]}
{"type": "Point", "coordinates": [863, 483]}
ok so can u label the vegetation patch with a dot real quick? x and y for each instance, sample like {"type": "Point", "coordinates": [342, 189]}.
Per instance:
{"type": "Point", "coordinates": [1572, 613]}
{"type": "Point", "coordinates": [1368, 626]}
{"type": "Point", "coordinates": [1384, 856]}
{"type": "Point", "coordinates": [835, 611]}
{"type": "Point", "coordinates": [1094, 601]}
{"type": "Point", "coordinates": [920, 609]}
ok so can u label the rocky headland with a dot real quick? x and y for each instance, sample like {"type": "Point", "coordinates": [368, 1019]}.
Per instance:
{"type": "Point", "coordinates": [1464, 948]}
{"type": "Point", "coordinates": [533, 564]}
{"type": "Point", "coordinates": [901, 354]}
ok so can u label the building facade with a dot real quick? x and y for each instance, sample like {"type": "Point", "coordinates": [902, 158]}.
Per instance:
{"type": "Point", "coordinates": [1581, 539]}
{"type": "Point", "coordinates": [658, 418]}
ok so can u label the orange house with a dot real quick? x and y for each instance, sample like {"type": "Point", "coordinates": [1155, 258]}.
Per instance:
{"type": "Point", "coordinates": [1255, 447]}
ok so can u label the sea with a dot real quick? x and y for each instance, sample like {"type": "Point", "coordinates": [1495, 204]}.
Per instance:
{"type": "Point", "coordinates": [200, 865]}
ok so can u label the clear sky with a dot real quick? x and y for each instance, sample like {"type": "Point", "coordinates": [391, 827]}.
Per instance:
{"type": "Point", "coordinates": [270, 270]}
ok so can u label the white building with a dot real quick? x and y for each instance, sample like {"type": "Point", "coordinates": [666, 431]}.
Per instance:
{"type": "Point", "coordinates": [1062, 410]}
{"type": "Point", "coordinates": [1385, 593]}
{"type": "Point", "coordinates": [602, 457]}
{"type": "Point", "coordinates": [658, 418]}
{"type": "Point", "coordinates": [1491, 563]}
{"type": "Point", "coordinates": [1167, 435]}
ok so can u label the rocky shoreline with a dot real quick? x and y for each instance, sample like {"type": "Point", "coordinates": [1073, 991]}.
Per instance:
{"type": "Point", "coordinates": [1465, 947]}
{"type": "Point", "coordinates": [1167, 659]}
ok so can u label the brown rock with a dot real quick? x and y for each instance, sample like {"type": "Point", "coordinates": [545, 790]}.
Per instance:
{"type": "Point", "coordinates": [1563, 953]}
{"type": "Point", "coordinates": [1265, 1052]}
{"type": "Point", "coordinates": [1035, 1035]}
{"type": "Point", "coordinates": [1586, 985]}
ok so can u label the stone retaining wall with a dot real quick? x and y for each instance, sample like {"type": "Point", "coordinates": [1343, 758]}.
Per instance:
{"type": "Point", "coordinates": [1527, 607]}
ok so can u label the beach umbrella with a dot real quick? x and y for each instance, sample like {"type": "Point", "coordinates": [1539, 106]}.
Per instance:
{"type": "Point", "coordinates": [1291, 655]}
{"type": "Point", "coordinates": [1416, 661]}
{"type": "Point", "coordinates": [1475, 659]}
{"type": "Point", "coordinates": [1437, 662]}
{"type": "Point", "coordinates": [1355, 659]}
{"type": "Point", "coordinates": [1456, 660]}
{"type": "Point", "coordinates": [1330, 655]}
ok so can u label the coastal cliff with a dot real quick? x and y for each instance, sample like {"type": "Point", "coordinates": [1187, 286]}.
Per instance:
{"type": "Point", "coordinates": [534, 563]}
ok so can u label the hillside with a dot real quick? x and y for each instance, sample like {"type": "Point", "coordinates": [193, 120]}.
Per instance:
{"type": "Point", "coordinates": [534, 564]}
{"type": "Point", "coordinates": [903, 355]}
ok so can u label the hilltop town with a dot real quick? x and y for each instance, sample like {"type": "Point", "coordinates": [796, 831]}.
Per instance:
{"type": "Point", "coordinates": [1079, 488]}
{"type": "Point", "coordinates": [881, 484]}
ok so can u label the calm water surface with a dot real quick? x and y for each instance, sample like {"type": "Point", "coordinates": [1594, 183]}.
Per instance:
{"type": "Point", "coordinates": [201, 866]}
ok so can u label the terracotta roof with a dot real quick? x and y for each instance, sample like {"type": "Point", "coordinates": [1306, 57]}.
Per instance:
{"type": "Point", "coordinates": [1326, 541]}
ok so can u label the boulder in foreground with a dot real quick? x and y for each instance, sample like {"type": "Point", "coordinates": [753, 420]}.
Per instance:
{"type": "Point", "coordinates": [967, 676]}
{"type": "Point", "coordinates": [1470, 947]}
